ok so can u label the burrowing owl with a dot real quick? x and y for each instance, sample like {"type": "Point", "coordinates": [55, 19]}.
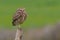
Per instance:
{"type": "Point", "coordinates": [19, 16]}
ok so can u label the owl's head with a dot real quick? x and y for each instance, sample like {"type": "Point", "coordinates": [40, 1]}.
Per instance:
{"type": "Point", "coordinates": [19, 10]}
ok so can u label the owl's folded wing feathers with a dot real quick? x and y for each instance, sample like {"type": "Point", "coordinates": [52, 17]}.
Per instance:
{"type": "Point", "coordinates": [16, 16]}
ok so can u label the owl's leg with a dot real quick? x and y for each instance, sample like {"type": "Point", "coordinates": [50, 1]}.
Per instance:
{"type": "Point", "coordinates": [19, 33]}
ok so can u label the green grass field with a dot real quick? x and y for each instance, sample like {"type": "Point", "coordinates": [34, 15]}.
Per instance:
{"type": "Point", "coordinates": [39, 12]}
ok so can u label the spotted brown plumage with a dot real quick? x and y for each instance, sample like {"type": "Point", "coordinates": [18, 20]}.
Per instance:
{"type": "Point", "coordinates": [19, 17]}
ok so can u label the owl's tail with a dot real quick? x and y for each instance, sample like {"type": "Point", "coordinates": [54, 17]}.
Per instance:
{"type": "Point", "coordinates": [13, 23]}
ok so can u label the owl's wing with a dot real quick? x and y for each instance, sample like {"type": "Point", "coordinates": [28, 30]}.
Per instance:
{"type": "Point", "coordinates": [15, 19]}
{"type": "Point", "coordinates": [16, 16]}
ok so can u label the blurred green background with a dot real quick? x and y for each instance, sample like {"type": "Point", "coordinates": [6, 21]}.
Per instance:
{"type": "Point", "coordinates": [39, 12]}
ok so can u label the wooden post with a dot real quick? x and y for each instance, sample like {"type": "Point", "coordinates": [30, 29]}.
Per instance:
{"type": "Point", "coordinates": [19, 33]}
